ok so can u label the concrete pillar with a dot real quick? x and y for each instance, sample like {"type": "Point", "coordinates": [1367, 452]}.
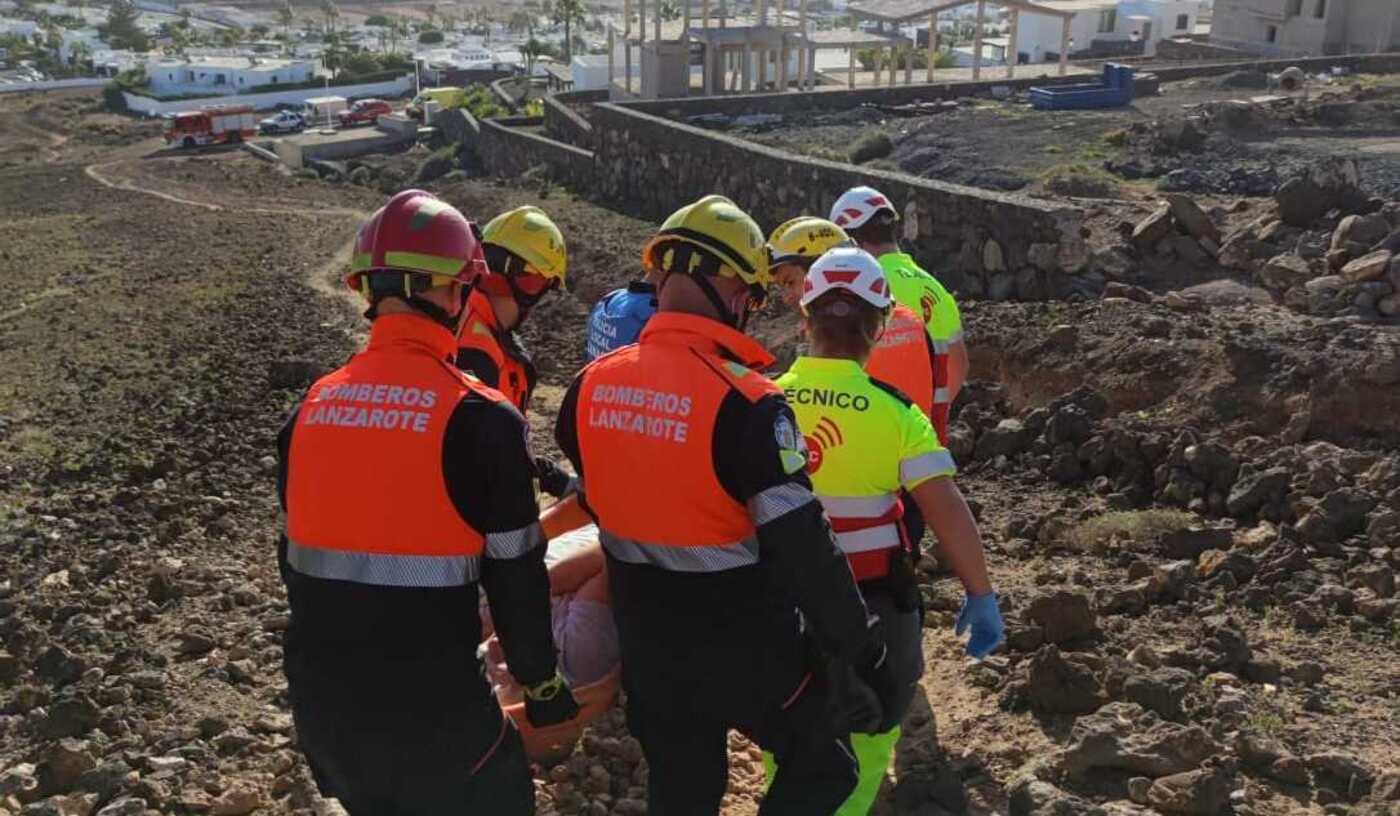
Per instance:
{"type": "Point", "coordinates": [611, 41]}
{"type": "Point", "coordinates": [1064, 47]}
{"type": "Point", "coordinates": [977, 40]}
{"type": "Point", "coordinates": [627, 64]}
{"type": "Point", "coordinates": [746, 69]}
{"type": "Point", "coordinates": [761, 55]}
{"type": "Point", "coordinates": [656, 24]}
{"type": "Point", "coordinates": [709, 68]}
{"type": "Point", "coordinates": [782, 67]}
{"type": "Point", "coordinates": [894, 63]}
{"type": "Point", "coordinates": [851, 70]}
{"type": "Point", "coordinates": [705, 13]}
{"type": "Point", "coordinates": [932, 43]}
{"type": "Point", "coordinates": [1011, 55]}
{"type": "Point", "coordinates": [641, 21]}
{"type": "Point", "coordinates": [685, 20]}
{"type": "Point", "coordinates": [876, 79]}
{"type": "Point", "coordinates": [812, 68]}
{"type": "Point", "coordinates": [908, 52]}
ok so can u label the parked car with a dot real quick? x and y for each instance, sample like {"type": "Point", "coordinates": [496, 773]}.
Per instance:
{"type": "Point", "coordinates": [284, 122]}
{"type": "Point", "coordinates": [364, 112]}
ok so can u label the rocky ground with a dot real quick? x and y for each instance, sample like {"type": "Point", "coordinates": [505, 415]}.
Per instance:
{"type": "Point", "coordinates": [1190, 495]}
{"type": "Point", "coordinates": [1227, 135]}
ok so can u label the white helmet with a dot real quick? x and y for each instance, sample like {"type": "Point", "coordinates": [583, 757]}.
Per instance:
{"type": "Point", "coordinates": [853, 270]}
{"type": "Point", "coordinates": [857, 205]}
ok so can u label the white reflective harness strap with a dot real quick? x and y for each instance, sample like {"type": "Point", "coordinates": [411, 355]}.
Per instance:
{"type": "Point", "coordinates": [932, 463]}
{"type": "Point", "coordinates": [857, 507]}
{"type": "Point", "coordinates": [711, 558]}
{"type": "Point", "coordinates": [940, 346]}
{"type": "Point", "coordinates": [875, 538]}
{"type": "Point", "coordinates": [514, 543]}
{"type": "Point", "coordinates": [383, 569]}
{"type": "Point", "coordinates": [942, 395]}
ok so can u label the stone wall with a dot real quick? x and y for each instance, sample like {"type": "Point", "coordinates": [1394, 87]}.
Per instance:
{"type": "Point", "coordinates": [1191, 51]}
{"type": "Point", "coordinates": [564, 123]}
{"type": "Point", "coordinates": [508, 149]}
{"type": "Point", "coordinates": [979, 242]}
{"type": "Point", "coordinates": [831, 100]}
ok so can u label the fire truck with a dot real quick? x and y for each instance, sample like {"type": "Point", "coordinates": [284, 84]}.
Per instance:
{"type": "Point", "coordinates": [229, 123]}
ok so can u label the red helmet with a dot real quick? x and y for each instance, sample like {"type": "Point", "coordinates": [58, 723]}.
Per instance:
{"type": "Point", "coordinates": [418, 234]}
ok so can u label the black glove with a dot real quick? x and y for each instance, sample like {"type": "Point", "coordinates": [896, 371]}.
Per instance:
{"type": "Point", "coordinates": [554, 480]}
{"type": "Point", "coordinates": [877, 674]}
{"type": "Point", "coordinates": [550, 703]}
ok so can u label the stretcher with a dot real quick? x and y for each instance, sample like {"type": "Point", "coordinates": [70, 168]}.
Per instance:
{"type": "Point", "coordinates": [551, 745]}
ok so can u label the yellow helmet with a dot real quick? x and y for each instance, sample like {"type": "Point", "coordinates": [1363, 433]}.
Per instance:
{"type": "Point", "coordinates": [529, 234]}
{"type": "Point", "coordinates": [805, 238]}
{"type": "Point", "coordinates": [717, 226]}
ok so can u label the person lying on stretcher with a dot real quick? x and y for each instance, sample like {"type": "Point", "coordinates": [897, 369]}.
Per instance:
{"type": "Point", "coordinates": [581, 617]}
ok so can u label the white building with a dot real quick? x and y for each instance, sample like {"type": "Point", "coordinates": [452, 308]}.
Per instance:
{"type": "Point", "coordinates": [18, 28]}
{"type": "Point", "coordinates": [1107, 23]}
{"type": "Point", "coordinates": [590, 72]}
{"type": "Point", "coordinates": [226, 75]}
{"type": "Point", "coordinates": [1307, 27]}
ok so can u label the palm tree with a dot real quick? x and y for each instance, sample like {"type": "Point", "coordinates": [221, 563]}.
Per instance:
{"type": "Point", "coordinates": [331, 12]}
{"type": "Point", "coordinates": [285, 16]}
{"type": "Point", "coordinates": [531, 50]}
{"type": "Point", "coordinates": [567, 12]}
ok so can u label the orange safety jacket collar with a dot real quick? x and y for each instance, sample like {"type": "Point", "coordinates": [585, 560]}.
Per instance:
{"type": "Point", "coordinates": [480, 307]}
{"type": "Point", "coordinates": [406, 329]}
{"type": "Point", "coordinates": [706, 335]}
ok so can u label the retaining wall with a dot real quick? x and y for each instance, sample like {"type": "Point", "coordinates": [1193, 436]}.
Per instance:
{"type": "Point", "coordinates": [979, 241]}
{"type": "Point", "coordinates": [266, 101]}
{"type": "Point", "coordinates": [508, 150]}
{"type": "Point", "coordinates": [52, 85]}
{"type": "Point", "coordinates": [566, 124]}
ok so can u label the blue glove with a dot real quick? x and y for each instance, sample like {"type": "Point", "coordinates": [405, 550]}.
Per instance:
{"type": "Point", "coordinates": [981, 614]}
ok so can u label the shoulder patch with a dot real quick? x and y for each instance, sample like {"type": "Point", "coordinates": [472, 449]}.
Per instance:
{"type": "Point", "coordinates": [892, 391]}
{"type": "Point", "coordinates": [753, 385]}
{"type": "Point", "coordinates": [792, 448]}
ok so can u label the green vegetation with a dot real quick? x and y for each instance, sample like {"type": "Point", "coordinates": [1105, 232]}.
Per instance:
{"type": "Point", "coordinates": [121, 31]}
{"type": "Point", "coordinates": [917, 57]}
{"type": "Point", "coordinates": [431, 36]}
{"type": "Point", "coordinates": [1117, 138]}
{"type": "Point", "coordinates": [1080, 181]}
{"type": "Point", "coordinates": [378, 20]}
{"type": "Point", "coordinates": [1142, 526]}
{"type": "Point", "coordinates": [871, 146]}
{"type": "Point", "coordinates": [482, 104]}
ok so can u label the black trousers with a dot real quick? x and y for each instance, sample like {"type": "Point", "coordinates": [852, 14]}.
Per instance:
{"type": "Point", "coordinates": [700, 657]}
{"type": "Point", "coordinates": [393, 739]}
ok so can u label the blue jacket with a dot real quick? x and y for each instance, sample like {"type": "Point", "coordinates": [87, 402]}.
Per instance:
{"type": "Point", "coordinates": [618, 318]}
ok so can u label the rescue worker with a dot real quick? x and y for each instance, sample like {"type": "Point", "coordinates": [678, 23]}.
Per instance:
{"type": "Point", "coordinates": [405, 483]}
{"type": "Point", "coordinates": [869, 218]}
{"type": "Point", "coordinates": [866, 442]}
{"type": "Point", "coordinates": [618, 317]}
{"type": "Point", "coordinates": [690, 462]}
{"type": "Point", "coordinates": [905, 356]}
{"type": "Point", "coordinates": [526, 255]}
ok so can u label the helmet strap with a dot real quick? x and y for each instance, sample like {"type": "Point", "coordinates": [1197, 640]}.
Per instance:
{"type": "Point", "coordinates": [410, 295]}
{"type": "Point", "coordinates": [699, 266]}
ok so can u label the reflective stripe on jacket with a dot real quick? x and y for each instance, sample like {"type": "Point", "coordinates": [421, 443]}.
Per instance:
{"type": "Point", "coordinates": [366, 500]}
{"type": "Point", "coordinates": [865, 442]}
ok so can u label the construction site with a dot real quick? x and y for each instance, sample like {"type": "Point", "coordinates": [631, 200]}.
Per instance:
{"type": "Point", "coordinates": [1180, 436]}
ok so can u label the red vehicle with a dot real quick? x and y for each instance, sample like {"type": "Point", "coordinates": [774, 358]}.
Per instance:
{"type": "Point", "coordinates": [230, 123]}
{"type": "Point", "coordinates": [364, 112]}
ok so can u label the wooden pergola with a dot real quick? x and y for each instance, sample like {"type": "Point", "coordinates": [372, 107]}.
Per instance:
{"type": "Point", "coordinates": [896, 12]}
